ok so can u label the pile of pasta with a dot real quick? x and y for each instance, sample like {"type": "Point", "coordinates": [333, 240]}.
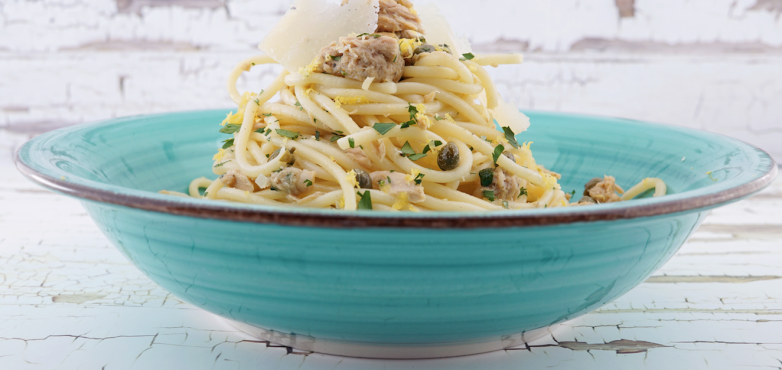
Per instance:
{"type": "Point", "coordinates": [426, 143]}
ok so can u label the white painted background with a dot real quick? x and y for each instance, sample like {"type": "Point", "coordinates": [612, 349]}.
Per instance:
{"type": "Point", "coordinates": [711, 64]}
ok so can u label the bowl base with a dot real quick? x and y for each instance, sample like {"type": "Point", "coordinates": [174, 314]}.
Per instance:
{"type": "Point", "coordinates": [389, 351]}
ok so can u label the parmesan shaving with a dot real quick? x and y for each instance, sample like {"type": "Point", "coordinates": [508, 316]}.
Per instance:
{"type": "Point", "coordinates": [507, 115]}
{"type": "Point", "coordinates": [367, 83]}
{"type": "Point", "coordinates": [438, 30]}
{"type": "Point", "coordinates": [294, 46]}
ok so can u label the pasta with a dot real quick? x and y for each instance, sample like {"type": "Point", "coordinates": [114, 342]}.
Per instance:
{"type": "Point", "coordinates": [405, 128]}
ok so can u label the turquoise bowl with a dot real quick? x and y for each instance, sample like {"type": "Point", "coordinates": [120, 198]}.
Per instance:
{"type": "Point", "coordinates": [381, 284]}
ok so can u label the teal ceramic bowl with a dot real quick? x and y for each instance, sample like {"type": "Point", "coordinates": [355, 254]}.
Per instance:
{"type": "Point", "coordinates": [378, 284]}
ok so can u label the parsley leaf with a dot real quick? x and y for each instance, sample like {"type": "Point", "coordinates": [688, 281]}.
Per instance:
{"type": "Point", "coordinates": [317, 135]}
{"type": "Point", "coordinates": [260, 130]}
{"type": "Point", "coordinates": [335, 138]}
{"type": "Point", "coordinates": [489, 195]}
{"type": "Point", "coordinates": [419, 178]}
{"type": "Point", "coordinates": [366, 200]}
{"type": "Point", "coordinates": [228, 143]}
{"type": "Point", "coordinates": [383, 128]}
{"type": "Point", "coordinates": [416, 157]}
{"type": "Point", "coordinates": [467, 56]}
{"type": "Point", "coordinates": [572, 193]}
{"type": "Point", "coordinates": [510, 137]}
{"type": "Point", "coordinates": [258, 102]}
{"type": "Point", "coordinates": [230, 128]}
{"type": "Point", "coordinates": [308, 182]}
{"type": "Point", "coordinates": [438, 118]}
{"type": "Point", "coordinates": [497, 153]}
{"type": "Point", "coordinates": [487, 176]}
{"type": "Point", "coordinates": [286, 133]}
{"type": "Point", "coordinates": [407, 150]}
{"type": "Point", "coordinates": [408, 124]}
{"type": "Point", "coordinates": [335, 58]}
{"type": "Point", "coordinates": [395, 56]}
{"type": "Point", "coordinates": [412, 110]}
{"type": "Point", "coordinates": [220, 164]}
{"type": "Point", "coordinates": [267, 114]}
{"type": "Point", "coordinates": [352, 143]}
{"type": "Point", "coordinates": [523, 191]}
{"type": "Point", "coordinates": [299, 105]}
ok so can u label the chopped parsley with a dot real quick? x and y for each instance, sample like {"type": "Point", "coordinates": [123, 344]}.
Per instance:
{"type": "Point", "coordinates": [412, 110]}
{"type": "Point", "coordinates": [299, 105]}
{"type": "Point", "coordinates": [408, 124]}
{"type": "Point", "coordinates": [523, 191]}
{"type": "Point", "coordinates": [389, 179]}
{"type": "Point", "coordinates": [416, 157]}
{"type": "Point", "coordinates": [381, 183]}
{"type": "Point", "coordinates": [510, 137]}
{"type": "Point", "coordinates": [228, 143]}
{"type": "Point", "coordinates": [419, 178]}
{"type": "Point", "coordinates": [488, 194]}
{"type": "Point", "coordinates": [336, 59]}
{"type": "Point", "coordinates": [438, 118]}
{"type": "Point", "coordinates": [375, 35]}
{"type": "Point", "coordinates": [352, 143]}
{"type": "Point", "coordinates": [467, 56]}
{"type": "Point", "coordinates": [260, 130]}
{"type": "Point", "coordinates": [334, 138]}
{"type": "Point", "coordinates": [366, 200]}
{"type": "Point", "coordinates": [230, 128]}
{"type": "Point", "coordinates": [434, 143]}
{"type": "Point", "coordinates": [572, 193]}
{"type": "Point", "coordinates": [383, 128]}
{"type": "Point", "coordinates": [395, 56]}
{"type": "Point", "coordinates": [308, 182]}
{"type": "Point", "coordinates": [267, 132]}
{"type": "Point", "coordinates": [317, 135]}
{"type": "Point", "coordinates": [258, 102]}
{"type": "Point", "coordinates": [487, 176]}
{"type": "Point", "coordinates": [289, 134]}
{"type": "Point", "coordinates": [497, 153]}
{"type": "Point", "coordinates": [407, 150]}
{"type": "Point", "coordinates": [220, 164]}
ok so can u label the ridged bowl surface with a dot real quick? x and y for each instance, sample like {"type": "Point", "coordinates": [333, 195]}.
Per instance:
{"type": "Point", "coordinates": [396, 279]}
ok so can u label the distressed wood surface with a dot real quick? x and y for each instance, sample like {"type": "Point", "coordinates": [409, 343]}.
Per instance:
{"type": "Point", "coordinates": [69, 300]}
{"type": "Point", "coordinates": [710, 64]}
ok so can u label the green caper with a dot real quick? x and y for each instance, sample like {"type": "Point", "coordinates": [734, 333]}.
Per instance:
{"type": "Point", "coordinates": [587, 199]}
{"type": "Point", "coordinates": [487, 176]}
{"type": "Point", "coordinates": [448, 158]}
{"type": "Point", "coordinates": [591, 184]}
{"type": "Point", "coordinates": [363, 179]}
{"type": "Point", "coordinates": [423, 48]}
{"type": "Point", "coordinates": [510, 156]}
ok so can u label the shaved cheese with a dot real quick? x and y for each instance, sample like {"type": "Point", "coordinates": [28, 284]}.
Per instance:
{"type": "Point", "coordinates": [292, 42]}
{"type": "Point", "coordinates": [263, 182]}
{"type": "Point", "coordinates": [507, 115]}
{"type": "Point", "coordinates": [438, 30]}
{"type": "Point", "coordinates": [367, 83]}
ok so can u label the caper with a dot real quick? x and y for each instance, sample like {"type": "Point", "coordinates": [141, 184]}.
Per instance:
{"type": "Point", "coordinates": [487, 176]}
{"type": "Point", "coordinates": [510, 156]}
{"type": "Point", "coordinates": [591, 184]}
{"type": "Point", "coordinates": [363, 179]}
{"type": "Point", "coordinates": [587, 199]}
{"type": "Point", "coordinates": [424, 48]}
{"type": "Point", "coordinates": [448, 158]}
{"type": "Point", "coordinates": [287, 158]}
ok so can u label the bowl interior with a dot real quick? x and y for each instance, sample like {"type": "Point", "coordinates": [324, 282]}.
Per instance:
{"type": "Point", "coordinates": [145, 154]}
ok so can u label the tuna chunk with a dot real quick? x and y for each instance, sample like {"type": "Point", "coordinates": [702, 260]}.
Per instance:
{"type": "Point", "coordinates": [603, 190]}
{"type": "Point", "coordinates": [357, 58]}
{"type": "Point", "coordinates": [395, 183]}
{"type": "Point", "coordinates": [292, 181]}
{"type": "Point", "coordinates": [358, 155]}
{"type": "Point", "coordinates": [397, 16]}
{"type": "Point", "coordinates": [237, 180]}
{"type": "Point", "coordinates": [504, 185]}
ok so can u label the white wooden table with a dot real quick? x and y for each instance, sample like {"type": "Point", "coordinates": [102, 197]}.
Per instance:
{"type": "Point", "coordinates": [69, 300]}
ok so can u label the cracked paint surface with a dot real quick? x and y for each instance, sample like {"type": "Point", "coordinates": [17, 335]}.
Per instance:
{"type": "Point", "coordinates": [698, 63]}
{"type": "Point", "coordinates": [69, 300]}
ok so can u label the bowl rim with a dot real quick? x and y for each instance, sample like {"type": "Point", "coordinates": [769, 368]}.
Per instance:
{"type": "Point", "coordinates": [126, 197]}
